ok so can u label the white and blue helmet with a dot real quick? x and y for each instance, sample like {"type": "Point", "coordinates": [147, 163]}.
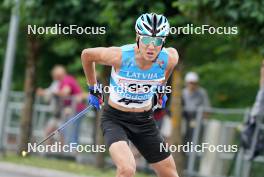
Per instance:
{"type": "Point", "coordinates": [152, 25]}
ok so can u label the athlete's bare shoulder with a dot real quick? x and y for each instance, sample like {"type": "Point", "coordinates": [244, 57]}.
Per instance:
{"type": "Point", "coordinates": [115, 55]}
{"type": "Point", "coordinates": [103, 55]}
{"type": "Point", "coordinates": [173, 56]}
{"type": "Point", "coordinates": [115, 51]}
{"type": "Point", "coordinates": [173, 60]}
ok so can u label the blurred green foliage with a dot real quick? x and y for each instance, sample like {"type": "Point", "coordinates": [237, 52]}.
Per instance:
{"type": "Point", "coordinates": [247, 15]}
{"type": "Point", "coordinates": [228, 64]}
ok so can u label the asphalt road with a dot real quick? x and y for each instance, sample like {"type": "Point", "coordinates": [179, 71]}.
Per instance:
{"type": "Point", "coordinates": [15, 170]}
{"type": "Point", "coordinates": [13, 174]}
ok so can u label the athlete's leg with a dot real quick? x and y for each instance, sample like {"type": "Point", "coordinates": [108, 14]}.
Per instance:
{"type": "Point", "coordinates": [123, 159]}
{"type": "Point", "coordinates": [148, 140]}
{"type": "Point", "coordinates": [165, 168]}
{"type": "Point", "coordinates": [116, 139]}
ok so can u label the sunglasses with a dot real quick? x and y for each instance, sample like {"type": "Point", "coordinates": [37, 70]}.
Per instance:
{"type": "Point", "coordinates": [157, 41]}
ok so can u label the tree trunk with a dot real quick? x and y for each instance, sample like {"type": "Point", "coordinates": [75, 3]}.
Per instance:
{"type": "Point", "coordinates": [175, 108]}
{"type": "Point", "coordinates": [99, 137]}
{"type": "Point", "coordinates": [29, 89]}
{"type": "Point", "coordinates": [99, 141]}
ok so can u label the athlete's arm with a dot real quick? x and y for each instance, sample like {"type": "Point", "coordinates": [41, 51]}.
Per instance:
{"type": "Point", "coordinates": [106, 56]}
{"type": "Point", "coordinates": [172, 62]}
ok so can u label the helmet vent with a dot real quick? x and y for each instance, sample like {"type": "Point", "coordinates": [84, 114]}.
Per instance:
{"type": "Point", "coordinates": [146, 26]}
{"type": "Point", "coordinates": [149, 20]}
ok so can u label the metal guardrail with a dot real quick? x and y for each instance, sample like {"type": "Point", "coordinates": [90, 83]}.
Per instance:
{"type": "Point", "coordinates": [42, 112]}
{"type": "Point", "coordinates": [242, 164]}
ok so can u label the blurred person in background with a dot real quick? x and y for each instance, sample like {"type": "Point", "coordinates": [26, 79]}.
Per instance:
{"type": "Point", "coordinates": [50, 95]}
{"type": "Point", "coordinates": [72, 101]}
{"type": "Point", "coordinates": [68, 97]}
{"type": "Point", "coordinates": [256, 117]}
{"type": "Point", "coordinates": [193, 97]}
{"type": "Point", "coordinates": [258, 107]}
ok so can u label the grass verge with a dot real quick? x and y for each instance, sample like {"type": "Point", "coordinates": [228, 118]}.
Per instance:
{"type": "Point", "coordinates": [62, 165]}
